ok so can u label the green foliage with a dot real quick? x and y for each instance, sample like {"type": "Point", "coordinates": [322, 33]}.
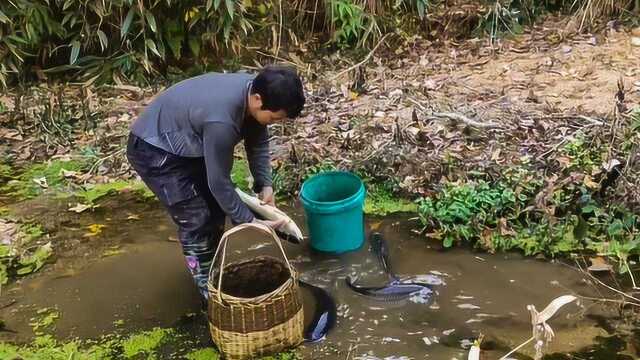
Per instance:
{"type": "Point", "coordinates": [283, 356]}
{"type": "Point", "coordinates": [31, 182]}
{"type": "Point", "coordinates": [91, 193]}
{"type": "Point", "coordinates": [203, 354]}
{"type": "Point", "coordinates": [44, 321]}
{"type": "Point", "coordinates": [384, 204]}
{"type": "Point", "coordinates": [349, 22]}
{"type": "Point", "coordinates": [20, 257]}
{"type": "Point", "coordinates": [146, 342]}
{"type": "Point", "coordinates": [241, 175]}
{"type": "Point", "coordinates": [381, 201]}
{"type": "Point", "coordinates": [29, 263]}
{"type": "Point", "coordinates": [46, 347]}
{"type": "Point", "coordinates": [461, 211]}
{"type": "Point", "coordinates": [501, 216]}
{"type": "Point", "coordinates": [30, 231]}
{"type": "Point", "coordinates": [583, 154]}
{"type": "Point", "coordinates": [113, 39]}
{"type": "Point", "coordinates": [5, 172]}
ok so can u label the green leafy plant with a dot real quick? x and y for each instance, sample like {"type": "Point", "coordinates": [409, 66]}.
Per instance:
{"type": "Point", "coordinates": [462, 211]}
{"type": "Point", "coordinates": [347, 20]}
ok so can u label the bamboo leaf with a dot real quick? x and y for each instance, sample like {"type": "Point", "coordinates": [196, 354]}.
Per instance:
{"type": "Point", "coordinates": [194, 45]}
{"type": "Point", "coordinates": [216, 4]}
{"type": "Point", "coordinates": [152, 21]}
{"type": "Point", "coordinates": [67, 4]}
{"type": "Point", "coordinates": [75, 51]}
{"type": "Point", "coordinates": [421, 8]}
{"type": "Point", "coordinates": [104, 42]}
{"type": "Point", "coordinates": [124, 30]}
{"type": "Point", "coordinates": [209, 4]}
{"type": "Point", "coordinates": [230, 7]}
{"type": "Point", "coordinates": [3, 18]}
{"type": "Point", "coordinates": [152, 46]}
{"type": "Point", "coordinates": [66, 18]}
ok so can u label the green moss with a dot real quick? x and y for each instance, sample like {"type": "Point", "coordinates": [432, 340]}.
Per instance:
{"type": "Point", "coordinates": [289, 355]}
{"type": "Point", "coordinates": [47, 348]}
{"type": "Point", "coordinates": [25, 186]}
{"type": "Point", "coordinates": [241, 174]}
{"type": "Point", "coordinates": [383, 204]}
{"type": "Point", "coordinates": [92, 193]}
{"type": "Point", "coordinates": [145, 345]}
{"type": "Point", "coordinates": [146, 342]}
{"type": "Point", "coordinates": [203, 354]}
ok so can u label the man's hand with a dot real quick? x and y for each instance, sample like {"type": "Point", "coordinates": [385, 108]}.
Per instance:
{"type": "Point", "coordinates": [274, 224]}
{"type": "Point", "coordinates": [266, 196]}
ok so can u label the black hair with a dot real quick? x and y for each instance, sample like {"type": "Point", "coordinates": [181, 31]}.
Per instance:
{"type": "Point", "coordinates": [280, 89]}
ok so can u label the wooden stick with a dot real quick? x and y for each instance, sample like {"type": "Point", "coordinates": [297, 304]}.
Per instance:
{"type": "Point", "coordinates": [454, 116]}
{"type": "Point", "coordinates": [517, 348]}
{"type": "Point", "coordinates": [361, 62]}
{"type": "Point", "coordinates": [466, 120]}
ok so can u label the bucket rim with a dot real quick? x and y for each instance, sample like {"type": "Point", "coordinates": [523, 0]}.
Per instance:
{"type": "Point", "coordinates": [361, 189]}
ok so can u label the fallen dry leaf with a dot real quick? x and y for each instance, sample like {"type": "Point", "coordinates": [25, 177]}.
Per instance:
{"type": "Point", "coordinates": [78, 208]}
{"type": "Point", "coordinates": [599, 264]}
{"type": "Point", "coordinates": [94, 229]}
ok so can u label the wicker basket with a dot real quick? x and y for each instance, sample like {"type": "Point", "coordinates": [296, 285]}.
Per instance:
{"type": "Point", "coordinates": [262, 320]}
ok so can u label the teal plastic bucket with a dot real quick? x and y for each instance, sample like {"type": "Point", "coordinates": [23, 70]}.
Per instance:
{"type": "Point", "coordinates": [333, 203]}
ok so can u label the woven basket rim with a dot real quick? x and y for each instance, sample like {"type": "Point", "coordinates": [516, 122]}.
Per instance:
{"type": "Point", "coordinates": [293, 277]}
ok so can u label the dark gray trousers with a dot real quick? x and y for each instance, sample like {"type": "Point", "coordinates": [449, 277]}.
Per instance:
{"type": "Point", "coordinates": [180, 183]}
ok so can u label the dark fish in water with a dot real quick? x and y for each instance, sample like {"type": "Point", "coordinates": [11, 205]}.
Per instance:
{"type": "Point", "coordinates": [393, 291]}
{"type": "Point", "coordinates": [380, 248]}
{"type": "Point", "coordinates": [324, 317]}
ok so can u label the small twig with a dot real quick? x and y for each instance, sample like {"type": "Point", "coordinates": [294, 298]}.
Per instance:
{"type": "Point", "coordinates": [619, 302]}
{"type": "Point", "coordinates": [611, 288]}
{"type": "Point", "coordinates": [101, 161]}
{"type": "Point", "coordinates": [453, 116]}
{"type": "Point", "coordinates": [279, 58]}
{"type": "Point", "coordinates": [377, 151]}
{"type": "Point", "coordinates": [466, 120]}
{"type": "Point", "coordinates": [280, 30]}
{"type": "Point", "coordinates": [361, 62]}
{"type": "Point", "coordinates": [517, 348]}
{"type": "Point", "coordinates": [633, 281]}
{"type": "Point", "coordinates": [590, 120]}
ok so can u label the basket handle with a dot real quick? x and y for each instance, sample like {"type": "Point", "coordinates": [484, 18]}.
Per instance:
{"type": "Point", "coordinates": [222, 249]}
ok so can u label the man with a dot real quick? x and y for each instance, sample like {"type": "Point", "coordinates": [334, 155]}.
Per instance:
{"type": "Point", "coordinates": [182, 147]}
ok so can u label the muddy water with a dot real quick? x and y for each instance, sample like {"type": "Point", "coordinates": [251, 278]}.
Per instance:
{"type": "Point", "coordinates": [147, 285]}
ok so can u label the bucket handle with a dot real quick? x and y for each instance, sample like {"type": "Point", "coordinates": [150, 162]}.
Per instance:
{"type": "Point", "coordinates": [222, 248]}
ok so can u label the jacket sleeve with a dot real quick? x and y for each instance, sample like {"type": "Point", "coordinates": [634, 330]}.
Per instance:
{"type": "Point", "coordinates": [256, 143]}
{"type": "Point", "coordinates": [218, 157]}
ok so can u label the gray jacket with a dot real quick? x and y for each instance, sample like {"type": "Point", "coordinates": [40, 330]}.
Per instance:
{"type": "Point", "coordinates": [205, 117]}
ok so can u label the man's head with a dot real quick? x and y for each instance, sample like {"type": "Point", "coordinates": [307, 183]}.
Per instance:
{"type": "Point", "coordinates": [276, 94]}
